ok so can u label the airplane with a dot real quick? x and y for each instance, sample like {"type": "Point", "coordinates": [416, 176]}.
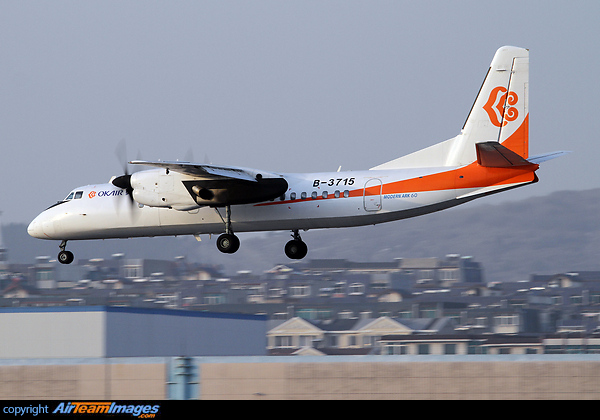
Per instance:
{"type": "Point", "coordinates": [489, 155]}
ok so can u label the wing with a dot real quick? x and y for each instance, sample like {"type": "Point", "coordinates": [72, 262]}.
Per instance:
{"type": "Point", "coordinates": [211, 185]}
{"type": "Point", "coordinates": [209, 171]}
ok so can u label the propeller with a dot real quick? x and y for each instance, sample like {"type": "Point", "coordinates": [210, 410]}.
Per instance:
{"type": "Point", "coordinates": [124, 181]}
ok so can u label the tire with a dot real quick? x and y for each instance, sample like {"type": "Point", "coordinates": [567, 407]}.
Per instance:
{"type": "Point", "coordinates": [228, 243]}
{"type": "Point", "coordinates": [65, 257]}
{"type": "Point", "coordinates": [296, 250]}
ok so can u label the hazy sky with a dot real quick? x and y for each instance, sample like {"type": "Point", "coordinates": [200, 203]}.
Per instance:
{"type": "Point", "coordinates": [287, 86]}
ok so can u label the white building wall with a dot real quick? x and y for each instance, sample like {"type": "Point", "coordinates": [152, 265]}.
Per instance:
{"type": "Point", "coordinates": [88, 331]}
{"type": "Point", "coordinates": [51, 333]}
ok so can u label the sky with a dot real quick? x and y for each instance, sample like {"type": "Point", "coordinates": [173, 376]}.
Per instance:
{"type": "Point", "coordinates": [282, 86]}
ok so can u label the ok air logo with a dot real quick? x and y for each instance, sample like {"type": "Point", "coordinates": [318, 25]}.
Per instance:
{"type": "Point", "coordinates": [500, 106]}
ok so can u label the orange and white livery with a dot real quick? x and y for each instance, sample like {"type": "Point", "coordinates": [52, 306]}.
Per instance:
{"type": "Point", "coordinates": [489, 155]}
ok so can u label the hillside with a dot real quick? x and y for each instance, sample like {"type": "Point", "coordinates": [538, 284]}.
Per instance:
{"type": "Point", "coordinates": [555, 233]}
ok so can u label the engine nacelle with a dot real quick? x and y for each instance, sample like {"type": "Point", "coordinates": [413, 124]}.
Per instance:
{"type": "Point", "coordinates": [160, 188]}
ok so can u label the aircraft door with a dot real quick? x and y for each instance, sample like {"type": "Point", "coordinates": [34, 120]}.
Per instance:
{"type": "Point", "coordinates": [372, 194]}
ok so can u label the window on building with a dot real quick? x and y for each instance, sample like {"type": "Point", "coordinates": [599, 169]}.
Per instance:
{"type": "Point", "coordinates": [132, 271]}
{"type": "Point", "coordinates": [507, 320]}
{"type": "Point", "coordinates": [423, 349]}
{"type": "Point", "coordinates": [214, 300]}
{"type": "Point", "coordinates": [307, 313]}
{"type": "Point", "coordinates": [300, 291]}
{"type": "Point", "coordinates": [356, 289]}
{"type": "Point", "coordinates": [449, 274]}
{"type": "Point", "coordinates": [44, 275]}
{"type": "Point", "coordinates": [283, 341]}
{"type": "Point", "coordinates": [449, 348]}
{"type": "Point", "coordinates": [476, 348]}
{"type": "Point", "coordinates": [395, 349]}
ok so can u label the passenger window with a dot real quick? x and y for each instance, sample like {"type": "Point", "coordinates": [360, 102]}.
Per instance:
{"type": "Point", "coordinates": [70, 197]}
{"type": "Point", "coordinates": [346, 193]}
{"type": "Point", "coordinates": [337, 194]}
{"type": "Point", "coordinates": [314, 195]}
{"type": "Point", "coordinates": [303, 196]}
{"type": "Point", "coordinates": [293, 196]}
{"type": "Point", "coordinates": [325, 194]}
{"type": "Point", "coordinates": [78, 195]}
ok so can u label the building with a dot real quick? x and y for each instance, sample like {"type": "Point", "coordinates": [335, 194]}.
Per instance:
{"type": "Point", "coordinates": [101, 331]}
{"type": "Point", "coordinates": [345, 336]}
{"type": "Point", "coordinates": [444, 344]}
{"type": "Point", "coordinates": [452, 344]}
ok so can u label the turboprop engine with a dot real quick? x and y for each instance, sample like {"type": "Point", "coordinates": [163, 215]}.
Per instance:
{"type": "Point", "coordinates": [171, 189]}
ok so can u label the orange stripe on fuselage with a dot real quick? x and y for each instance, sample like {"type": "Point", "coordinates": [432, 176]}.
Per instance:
{"type": "Point", "coordinates": [470, 176]}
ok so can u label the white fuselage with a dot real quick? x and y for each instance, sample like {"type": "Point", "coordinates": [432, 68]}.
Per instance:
{"type": "Point", "coordinates": [313, 201]}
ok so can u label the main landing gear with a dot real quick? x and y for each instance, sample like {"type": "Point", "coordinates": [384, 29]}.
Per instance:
{"type": "Point", "coordinates": [65, 257]}
{"type": "Point", "coordinates": [228, 243]}
{"type": "Point", "coordinates": [296, 249]}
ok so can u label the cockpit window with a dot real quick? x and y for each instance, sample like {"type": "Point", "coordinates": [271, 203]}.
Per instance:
{"type": "Point", "coordinates": [78, 195]}
{"type": "Point", "coordinates": [70, 197]}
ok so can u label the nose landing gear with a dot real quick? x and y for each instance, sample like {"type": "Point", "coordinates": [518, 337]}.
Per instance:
{"type": "Point", "coordinates": [64, 256]}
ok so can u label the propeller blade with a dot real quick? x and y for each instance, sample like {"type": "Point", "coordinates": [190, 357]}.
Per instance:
{"type": "Point", "coordinates": [124, 181]}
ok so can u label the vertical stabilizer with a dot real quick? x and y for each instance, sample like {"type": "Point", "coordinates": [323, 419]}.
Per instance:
{"type": "Point", "coordinates": [500, 112]}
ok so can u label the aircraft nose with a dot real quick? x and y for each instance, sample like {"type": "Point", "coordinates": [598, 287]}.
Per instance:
{"type": "Point", "coordinates": [35, 229]}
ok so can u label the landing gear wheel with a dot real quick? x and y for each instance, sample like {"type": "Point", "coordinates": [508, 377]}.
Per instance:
{"type": "Point", "coordinates": [296, 249]}
{"type": "Point", "coordinates": [228, 243]}
{"type": "Point", "coordinates": [65, 257]}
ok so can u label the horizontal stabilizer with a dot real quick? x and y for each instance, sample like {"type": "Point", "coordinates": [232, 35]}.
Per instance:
{"type": "Point", "coordinates": [547, 156]}
{"type": "Point", "coordinates": [492, 154]}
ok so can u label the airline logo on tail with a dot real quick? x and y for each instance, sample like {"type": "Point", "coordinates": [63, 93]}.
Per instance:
{"type": "Point", "coordinates": [496, 103]}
